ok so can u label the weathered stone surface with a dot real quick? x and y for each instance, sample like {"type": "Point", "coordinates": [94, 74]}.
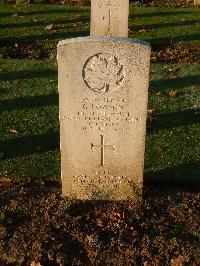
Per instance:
{"type": "Point", "coordinates": [109, 18]}
{"type": "Point", "coordinates": [197, 2]}
{"type": "Point", "coordinates": [103, 91]}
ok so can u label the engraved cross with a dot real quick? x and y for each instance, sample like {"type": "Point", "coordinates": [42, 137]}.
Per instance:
{"type": "Point", "coordinates": [102, 146]}
{"type": "Point", "coordinates": [109, 21]}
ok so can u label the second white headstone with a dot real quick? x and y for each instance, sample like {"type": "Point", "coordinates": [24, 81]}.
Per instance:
{"type": "Point", "coordinates": [109, 18]}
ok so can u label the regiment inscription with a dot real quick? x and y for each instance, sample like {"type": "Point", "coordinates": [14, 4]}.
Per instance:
{"type": "Point", "coordinates": [103, 114]}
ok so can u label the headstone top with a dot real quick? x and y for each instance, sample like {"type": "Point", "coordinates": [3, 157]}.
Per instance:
{"type": "Point", "coordinates": [109, 18]}
{"type": "Point", "coordinates": [103, 39]}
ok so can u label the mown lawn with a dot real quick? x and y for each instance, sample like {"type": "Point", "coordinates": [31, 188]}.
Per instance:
{"type": "Point", "coordinates": [160, 26]}
{"type": "Point", "coordinates": [29, 126]}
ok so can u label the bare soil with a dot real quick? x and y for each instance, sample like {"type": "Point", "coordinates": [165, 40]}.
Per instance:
{"type": "Point", "coordinates": [186, 54]}
{"type": "Point", "coordinates": [38, 226]}
{"type": "Point", "coordinates": [176, 54]}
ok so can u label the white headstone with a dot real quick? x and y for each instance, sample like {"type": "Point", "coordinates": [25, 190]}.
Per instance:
{"type": "Point", "coordinates": [109, 18]}
{"type": "Point", "coordinates": [196, 2]}
{"type": "Point", "coordinates": [103, 91]}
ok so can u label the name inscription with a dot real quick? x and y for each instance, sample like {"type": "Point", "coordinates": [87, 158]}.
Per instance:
{"type": "Point", "coordinates": [103, 114]}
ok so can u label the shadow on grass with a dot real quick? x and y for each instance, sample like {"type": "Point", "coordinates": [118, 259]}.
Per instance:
{"type": "Point", "coordinates": [54, 36]}
{"type": "Point", "coordinates": [22, 146]}
{"type": "Point", "coordinates": [28, 102]}
{"type": "Point", "coordinates": [87, 10]}
{"type": "Point", "coordinates": [86, 19]}
{"type": "Point", "coordinates": [165, 25]}
{"type": "Point", "coordinates": [43, 23]}
{"type": "Point", "coordinates": [172, 40]}
{"type": "Point", "coordinates": [44, 12]}
{"type": "Point", "coordinates": [186, 176]}
{"type": "Point", "coordinates": [27, 74]}
{"type": "Point", "coordinates": [171, 120]}
{"type": "Point", "coordinates": [174, 83]}
{"type": "Point", "coordinates": [159, 14]}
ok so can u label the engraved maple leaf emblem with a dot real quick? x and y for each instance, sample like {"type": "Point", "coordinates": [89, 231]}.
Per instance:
{"type": "Point", "coordinates": [103, 73]}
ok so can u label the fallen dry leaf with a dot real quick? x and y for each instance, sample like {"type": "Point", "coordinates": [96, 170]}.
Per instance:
{"type": "Point", "coordinates": [62, 26]}
{"type": "Point", "coordinates": [49, 27]}
{"type": "Point", "coordinates": [5, 182]}
{"type": "Point", "coordinates": [153, 58]}
{"type": "Point", "coordinates": [50, 256]}
{"type": "Point", "coordinates": [142, 30]}
{"type": "Point", "coordinates": [160, 150]}
{"type": "Point", "coordinates": [78, 24]}
{"type": "Point", "coordinates": [151, 114]}
{"type": "Point", "coordinates": [173, 93]}
{"type": "Point", "coordinates": [90, 239]}
{"type": "Point", "coordinates": [176, 262]}
{"type": "Point", "coordinates": [196, 109]}
{"type": "Point", "coordinates": [179, 261]}
{"type": "Point", "coordinates": [173, 72]}
{"type": "Point", "coordinates": [33, 263]}
{"type": "Point", "coordinates": [151, 111]}
{"type": "Point", "coordinates": [99, 222]}
{"type": "Point", "coordinates": [3, 231]}
{"type": "Point", "coordinates": [15, 81]}
{"type": "Point", "coordinates": [13, 131]}
{"type": "Point", "coordinates": [158, 93]}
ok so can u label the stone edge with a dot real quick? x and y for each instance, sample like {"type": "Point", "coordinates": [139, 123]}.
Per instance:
{"type": "Point", "coordinates": [103, 39]}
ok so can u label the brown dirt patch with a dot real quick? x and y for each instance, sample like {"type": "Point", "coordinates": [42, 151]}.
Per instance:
{"type": "Point", "coordinates": [186, 54]}
{"type": "Point", "coordinates": [176, 54]}
{"type": "Point", "coordinates": [38, 225]}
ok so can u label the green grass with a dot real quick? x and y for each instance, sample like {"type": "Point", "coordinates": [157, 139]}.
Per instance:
{"type": "Point", "coordinates": [25, 24]}
{"type": "Point", "coordinates": [29, 105]}
{"type": "Point", "coordinates": [29, 126]}
{"type": "Point", "coordinates": [173, 139]}
{"type": "Point", "coordinates": [165, 25]}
